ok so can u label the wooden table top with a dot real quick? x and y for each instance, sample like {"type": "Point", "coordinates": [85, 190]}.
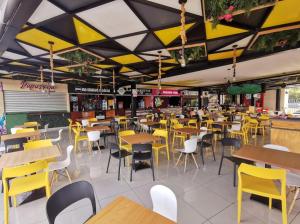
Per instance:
{"type": "Point", "coordinates": [124, 211]}
{"type": "Point", "coordinates": [285, 160]}
{"type": "Point", "coordinates": [189, 131]}
{"type": "Point", "coordinates": [226, 122]}
{"type": "Point", "coordinates": [20, 135]}
{"type": "Point", "coordinates": [22, 157]}
{"type": "Point", "coordinates": [98, 128]}
{"type": "Point", "coordinates": [140, 138]}
{"type": "Point", "coordinates": [100, 121]}
{"type": "Point", "coordinates": [184, 120]}
{"type": "Point", "coordinates": [150, 123]}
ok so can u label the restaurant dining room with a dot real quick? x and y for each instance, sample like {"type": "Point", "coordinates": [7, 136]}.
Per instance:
{"type": "Point", "coordinates": [150, 111]}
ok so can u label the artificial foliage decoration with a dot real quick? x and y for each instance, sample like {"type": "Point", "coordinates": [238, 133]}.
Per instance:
{"type": "Point", "coordinates": [191, 55]}
{"type": "Point", "coordinates": [244, 89]}
{"type": "Point", "coordinates": [217, 10]}
{"type": "Point", "coordinates": [234, 90]}
{"type": "Point", "coordinates": [277, 41]}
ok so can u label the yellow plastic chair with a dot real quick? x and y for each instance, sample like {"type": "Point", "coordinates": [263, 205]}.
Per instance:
{"type": "Point", "coordinates": [163, 124]}
{"type": "Point", "coordinates": [243, 133]}
{"type": "Point", "coordinates": [34, 124]}
{"type": "Point", "coordinates": [70, 126]}
{"type": "Point", "coordinates": [26, 178]}
{"type": "Point", "coordinates": [78, 138]}
{"type": "Point", "coordinates": [177, 135]}
{"type": "Point", "coordinates": [93, 119]}
{"type": "Point", "coordinates": [209, 124]}
{"type": "Point", "coordinates": [25, 130]}
{"type": "Point", "coordinates": [164, 143]}
{"type": "Point", "coordinates": [173, 122]}
{"type": "Point", "coordinates": [263, 182]}
{"type": "Point", "coordinates": [253, 126]}
{"type": "Point", "coordinates": [193, 123]}
{"type": "Point", "coordinates": [37, 144]}
{"type": "Point", "coordinates": [123, 122]}
{"type": "Point", "coordinates": [121, 143]}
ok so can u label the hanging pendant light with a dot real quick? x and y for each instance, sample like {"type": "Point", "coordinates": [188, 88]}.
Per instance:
{"type": "Point", "coordinates": [159, 71]}
{"type": "Point", "coordinates": [51, 62]}
{"type": "Point", "coordinates": [234, 62]}
{"type": "Point", "coordinates": [182, 31]}
{"type": "Point", "coordinates": [42, 77]}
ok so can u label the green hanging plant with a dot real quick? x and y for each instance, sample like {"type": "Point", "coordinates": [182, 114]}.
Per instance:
{"type": "Point", "coordinates": [234, 90]}
{"type": "Point", "coordinates": [217, 10]}
{"type": "Point", "coordinates": [191, 55]}
{"type": "Point", "coordinates": [251, 88]}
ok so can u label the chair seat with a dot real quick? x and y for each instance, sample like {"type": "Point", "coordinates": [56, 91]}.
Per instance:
{"type": "Point", "coordinates": [127, 147]}
{"type": "Point", "coordinates": [25, 184]}
{"type": "Point", "coordinates": [124, 153]}
{"type": "Point", "coordinates": [142, 156]}
{"type": "Point", "coordinates": [204, 144]}
{"type": "Point", "coordinates": [260, 186]}
{"type": "Point", "coordinates": [82, 138]}
{"type": "Point", "coordinates": [156, 146]}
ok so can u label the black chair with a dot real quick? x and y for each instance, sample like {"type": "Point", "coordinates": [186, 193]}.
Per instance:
{"type": "Point", "coordinates": [117, 153]}
{"type": "Point", "coordinates": [217, 129]}
{"type": "Point", "coordinates": [68, 195]}
{"type": "Point", "coordinates": [141, 152]}
{"type": "Point", "coordinates": [206, 142]}
{"type": "Point", "coordinates": [14, 142]}
{"type": "Point", "coordinates": [226, 154]}
{"type": "Point", "coordinates": [114, 129]}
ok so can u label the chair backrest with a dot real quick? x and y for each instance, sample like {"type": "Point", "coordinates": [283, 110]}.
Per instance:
{"type": "Point", "coordinates": [13, 142]}
{"type": "Point", "coordinates": [85, 122]}
{"type": "Point", "coordinates": [181, 116]}
{"type": "Point", "coordinates": [164, 202]}
{"type": "Point", "coordinates": [14, 130]}
{"type": "Point", "coordinates": [79, 126]}
{"type": "Point", "coordinates": [67, 196]}
{"type": "Point", "coordinates": [217, 126]}
{"type": "Point", "coordinates": [70, 121]}
{"type": "Point", "coordinates": [264, 173]}
{"type": "Point", "coordinates": [174, 122]}
{"type": "Point", "coordinates": [142, 151]}
{"type": "Point", "coordinates": [67, 161]}
{"type": "Point", "coordinates": [176, 126]}
{"type": "Point", "coordinates": [236, 127]}
{"type": "Point", "coordinates": [125, 133]}
{"type": "Point", "coordinates": [164, 122]}
{"type": "Point", "coordinates": [207, 137]}
{"type": "Point", "coordinates": [46, 126]}
{"type": "Point", "coordinates": [234, 142]}
{"type": "Point", "coordinates": [93, 136]}
{"type": "Point", "coordinates": [161, 133]}
{"type": "Point", "coordinates": [38, 144]}
{"type": "Point", "coordinates": [190, 145]}
{"type": "Point", "coordinates": [276, 147]}
{"type": "Point", "coordinates": [25, 130]}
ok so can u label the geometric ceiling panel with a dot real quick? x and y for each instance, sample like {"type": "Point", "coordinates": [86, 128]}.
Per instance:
{"type": "Point", "coordinates": [150, 42]}
{"type": "Point", "coordinates": [41, 39]}
{"type": "Point", "coordinates": [105, 52]}
{"type": "Point", "coordinates": [241, 43]}
{"type": "Point", "coordinates": [125, 69]}
{"type": "Point", "coordinates": [108, 48]}
{"type": "Point", "coordinates": [221, 30]}
{"type": "Point", "coordinates": [191, 6]}
{"type": "Point", "coordinates": [127, 59]}
{"type": "Point", "coordinates": [44, 11]}
{"type": "Point", "coordinates": [62, 27]}
{"type": "Point", "coordinates": [170, 34]}
{"type": "Point", "coordinates": [113, 18]}
{"type": "Point", "coordinates": [148, 57]}
{"type": "Point", "coordinates": [71, 5]}
{"type": "Point", "coordinates": [131, 42]}
{"type": "Point", "coordinates": [157, 17]}
{"type": "Point", "coordinates": [224, 55]}
{"type": "Point", "coordinates": [32, 50]}
{"type": "Point", "coordinates": [132, 73]}
{"type": "Point", "coordinates": [253, 19]}
{"type": "Point", "coordinates": [163, 51]}
{"type": "Point", "coordinates": [14, 46]}
{"type": "Point", "coordinates": [215, 44]}
{"type": "Point", "coordinates": [287, 11]}
{"type": "Point", "coordinates": [12, 56]}
{"type": "Point", "coordinates": [86, 34]}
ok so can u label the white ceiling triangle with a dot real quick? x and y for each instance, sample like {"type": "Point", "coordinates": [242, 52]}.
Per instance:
{"type": "Point", "coordinates": [34, 51]}
{"type": "Point", "coordinates": [241, 43]}
{"type": "Point", "coordinates": [131, 42]}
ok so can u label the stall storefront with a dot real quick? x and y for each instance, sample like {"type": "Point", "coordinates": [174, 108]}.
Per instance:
{"type": "Point", "coordinates": [190, 99]}
{"type": "Point", "coordinates": [167, 101]}
{"type": "Point", "coordinates": [23, 101]}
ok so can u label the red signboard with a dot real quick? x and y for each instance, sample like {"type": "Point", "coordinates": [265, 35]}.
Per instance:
{"type": "Point", "coordinates": [165, 92]}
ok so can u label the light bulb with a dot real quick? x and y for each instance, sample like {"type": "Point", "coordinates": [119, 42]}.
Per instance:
{"type": "Point", "coordinates": [52, 83]}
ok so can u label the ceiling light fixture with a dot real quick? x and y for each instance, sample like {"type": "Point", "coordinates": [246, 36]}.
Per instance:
{"type": "Point", "coordinates": [234, 62]}
{"type": "Point", "coordinates": [51, 62]}
{"type": "Point", "coordinates": [182, 31]}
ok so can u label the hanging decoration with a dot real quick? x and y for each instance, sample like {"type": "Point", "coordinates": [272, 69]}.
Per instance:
{"type": "Point", "coordinates": [100, 84]}
{"type": "Point", "coordinates": [191, 54]}
{"type": "Point", "coordinates": [51, 62]}
{"type": "Point", "coordinates": [244, 89]}
{"type": "Point", "coordinates": [42, 75]}
{"type": "Point", "coordinates": [182, 32]}
{"type": "Point", "coordinates": [159, 71]}
{"type": "Point", "coordinates": [114, 81]}
{"type": "Point", "coordinates": [234, 63]}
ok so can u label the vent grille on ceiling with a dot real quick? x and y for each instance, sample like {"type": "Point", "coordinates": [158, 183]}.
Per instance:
{"type": "Point", "coordinates": [16, 101]}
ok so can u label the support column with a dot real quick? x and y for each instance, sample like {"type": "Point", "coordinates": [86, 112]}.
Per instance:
{"type": "Point", "coordinates": [200, 91]}
{"type": "Point", "coordinates": [278, 93]}
{"type": "Point", "coordinates": [233, 98]}
{"type": "Point", "coordinates": [133, 100]}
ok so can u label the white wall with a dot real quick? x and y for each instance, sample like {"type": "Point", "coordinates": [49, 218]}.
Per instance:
{"type": "Point", "coordinates": [270, 99]}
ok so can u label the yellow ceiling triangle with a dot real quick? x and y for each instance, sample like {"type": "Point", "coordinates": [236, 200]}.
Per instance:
{"type": "Point", "coordinates": [103, 66]}
{"type": "Point", "coordinates": [221, 30]}
{"type": "Point", "coordinates": [167, 68]}
{"type": "Point", "coordinates": [86, 34]}
{"type": "Point", "coordinates": [62, 69]}
{"type": "Point", "coordinates": [125, 69]}
{"type": "Point", "coordinates": [224, 55]}
{"type": "Point", "coordinates": [287, 11]}
{"type": "Point", "coordinates": [170, 61]}
{"type": "Point", "coordinates": [170, 34]}
{"type": "Point", "coordinates": [127, 59]}
{"type": "Point", "coordinates": [19, 63]}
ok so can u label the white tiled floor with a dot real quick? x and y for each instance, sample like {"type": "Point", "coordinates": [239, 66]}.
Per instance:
{"type": "Point", "coordinates": [203, 196]}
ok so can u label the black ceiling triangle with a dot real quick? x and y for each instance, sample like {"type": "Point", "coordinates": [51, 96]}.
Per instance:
{"type": "Point", "coordinates": [149, 43]}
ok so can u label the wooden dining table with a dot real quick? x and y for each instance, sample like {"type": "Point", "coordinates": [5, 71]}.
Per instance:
{"type": "Point", "coordinates": [285, 160]}
{"type": "Point", "coordinates": [188, 131]}
{"type": "Point", "coordinates": [97, 128]}
{"type": "Point", "coordinates": [140, 138]}
{"type": "Point", "coordinates": [32, 134]}
{"type": "Point", "coordinates": [124, 211]}
{"type": "Point", "coordinates": [23, 157]}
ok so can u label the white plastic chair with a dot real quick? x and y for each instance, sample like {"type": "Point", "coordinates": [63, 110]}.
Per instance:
{"type": "Point", "coordinates": [181, 116]}
{"type": "Point", "coordinates": [14, 130]}
{"type": "Point", "coordinates": [61, 165]}
{"type": "Point", "coordinates": [85, 123]}
{"type": "Point", "coordinates": [190, 147]}
{"type": "Point", "coordinates": [144, 127]}
{"type": "Point", "coordinates": [235, 127]}
{"type": "Point", "coordinates": [164, 202]}
{"type": "Point", "coordinates": [56, 141]}
{"type": "Point", "coordinates": [45, 131]}
{"type": "Point", "coordinates": [203, 131]}
{"type": "Point", "coordinates": [94, 136]}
